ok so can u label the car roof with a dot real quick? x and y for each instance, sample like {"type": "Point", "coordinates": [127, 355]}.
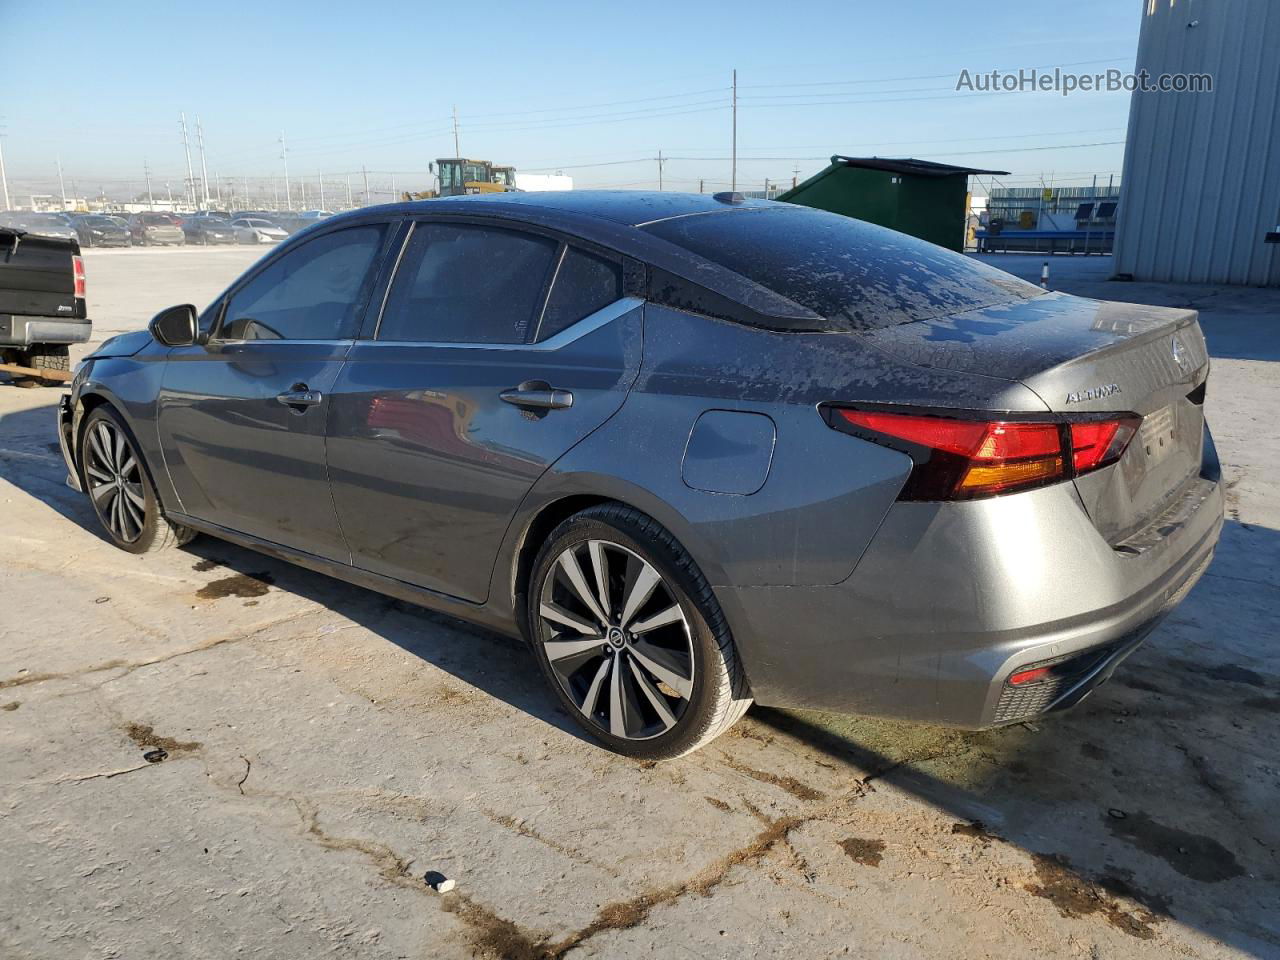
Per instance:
{"type": "Point", "coordinates": [627, 207]}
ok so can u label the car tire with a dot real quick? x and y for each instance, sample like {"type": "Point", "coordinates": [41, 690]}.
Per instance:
{"type": "Point", "coordinates": [50, 356]}
{"type": "Point", "coordinates": [128, 510]}
{"type": "Point", "coordinates": [644, 691]}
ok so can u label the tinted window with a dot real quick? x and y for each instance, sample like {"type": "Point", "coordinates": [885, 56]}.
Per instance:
{"type": "Point", "coordinates": [316, 291]}
{"type": "Point", "coordinates": [460, 283]}
{"type": "Point", "coordinates": [584, 283]}
{"type": "Point", "coordinates": [846, 270]}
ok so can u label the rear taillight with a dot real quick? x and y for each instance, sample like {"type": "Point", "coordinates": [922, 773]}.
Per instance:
{"type": "Point", "coordinates": [965, 459]}
{"type": "Point", "coordinates": [78, 266]}
{"type": "Point", "coordinates": [1097, 443]}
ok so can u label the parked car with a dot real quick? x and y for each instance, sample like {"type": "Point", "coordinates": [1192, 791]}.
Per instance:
{"type": "Point", "coordinates": [156, 228]}
{"type": "Point", "coordinates": [96, 230]}
{"type": "Point", "coordinates": [42, 299]}
{"type": "Point", "coordinates": [43, 224]}
{"type": "Point", "coordinates": [253, 230]}
{"type": "Point", "coordinates": [698, 450]}
{"type": "Point", "coordinates": [209, 229]}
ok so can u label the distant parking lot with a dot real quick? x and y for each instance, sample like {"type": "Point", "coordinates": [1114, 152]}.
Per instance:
{"type": "Point", "coordinates": [210, 753]}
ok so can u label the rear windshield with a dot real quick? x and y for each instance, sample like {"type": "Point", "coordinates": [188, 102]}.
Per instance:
{"type": "Point", "coordinates": [862, 276]}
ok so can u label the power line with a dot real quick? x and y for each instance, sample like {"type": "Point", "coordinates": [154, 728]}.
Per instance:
{"type": "Point", "coordinates": [928, 76]}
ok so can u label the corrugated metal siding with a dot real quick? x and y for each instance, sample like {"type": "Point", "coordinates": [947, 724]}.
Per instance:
{"type": "Point", "coordinates": [1201, 182]}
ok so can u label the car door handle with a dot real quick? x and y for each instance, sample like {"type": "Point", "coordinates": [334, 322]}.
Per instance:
{"type": "Point", "coordinates": [538, 395]}
{"type": "Point", "coordinates": [300, 398]}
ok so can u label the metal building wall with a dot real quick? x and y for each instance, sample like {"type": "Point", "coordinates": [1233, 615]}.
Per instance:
{"type": "Point", "coordinates": [1201, 183]}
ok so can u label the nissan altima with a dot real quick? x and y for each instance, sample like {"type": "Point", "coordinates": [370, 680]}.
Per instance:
{"type": "Point", "coordinates": [698, 451]}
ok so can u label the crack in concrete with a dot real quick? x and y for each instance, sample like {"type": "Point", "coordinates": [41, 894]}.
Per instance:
{"type": "Point", "coordinates": [392, 868]}
{"type": "Point", "coordinates": [912, 761]}
{"type": "Point", "coordinates": [129, 666]}
{"type": "Point", "coordinates": [518, 827]}
{"type": "Point", "coordinates": [493, 935]}
{"type": "Point", "coordinates": [103, 775]}
{"type": "Point", "coordinates": [797, 788]}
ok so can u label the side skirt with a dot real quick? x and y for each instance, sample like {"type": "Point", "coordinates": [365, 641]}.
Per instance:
{"type": "Point", "coordinates": [388, 586]}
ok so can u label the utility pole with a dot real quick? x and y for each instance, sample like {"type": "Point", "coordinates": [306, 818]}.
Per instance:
{"type": "Point", "coordinates": [62, 186]}
{"type": "Point", "coordinates": [659, 169]}
{"type": "Point", "coordinates": [365, 171]}
{"type": "Point", "coordinates": [734, 181]}
{"type": "Point", "coordinates": [284, 155]}
{"type": "Point", "coordinates": [1088, 227]}
{"type": "Point", "coordinates": [701, 183]}
{"type": "Point", "coordinates": [350, 205]}
{"type": "Point", "coordinates": [766, 188]}
{"type": "Point", "coordinates": [795, 176]}
{"type": "Point", "coordinates": [146, 173]}
{"type": "Point", "coordinates": [457, 150]}
{"type": "Point", "coordinates": [170, 191]}
{"type": "Point", "coordinates": [204, 170]}
{"type": "Point", "coordinates": [186, 146]}
{"type": "Point", "coordinates": [321, 177]}
{"type": "Point", "coordinates": [245, 180]}
{"type": "Point", "coordinates": [393, 188]}
{"type": "Point", "coordinates": [4, 180]}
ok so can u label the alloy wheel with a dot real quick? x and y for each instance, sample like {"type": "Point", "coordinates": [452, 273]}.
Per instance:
{"type": "Point", "coordinates": [617, 639]}
{"type": "Point", "coordinates": [114, 476]}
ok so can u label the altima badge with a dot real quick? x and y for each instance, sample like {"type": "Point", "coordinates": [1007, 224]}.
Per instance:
{"type": "Point", "coordinates": [1093, 393]}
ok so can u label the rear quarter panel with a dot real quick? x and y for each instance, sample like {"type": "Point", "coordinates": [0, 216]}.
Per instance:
{"type": "Point", "coordinates": [824, 494]}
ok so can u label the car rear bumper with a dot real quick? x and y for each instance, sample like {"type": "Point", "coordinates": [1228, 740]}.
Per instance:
{"type": "Point", "coordinates": [951, 599]}
{"type": "Point", "coordinates": [20, 331]}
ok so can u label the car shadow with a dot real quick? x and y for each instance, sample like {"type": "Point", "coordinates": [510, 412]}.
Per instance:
{"type": "Point", "coordinates": [1158, 790]}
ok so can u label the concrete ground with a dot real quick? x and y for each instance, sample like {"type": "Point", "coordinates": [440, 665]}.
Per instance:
{"type": "Point", "coordinates": [321, 748]}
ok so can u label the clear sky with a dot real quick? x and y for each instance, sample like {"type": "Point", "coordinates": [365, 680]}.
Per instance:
{"type": "Point", "coordinates": [593, 89]}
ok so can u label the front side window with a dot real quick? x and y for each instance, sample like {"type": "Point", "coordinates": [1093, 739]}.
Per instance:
{"type": "Point", "coordinates": [463, 283]}
{"type": "Point", "coordinates": [316, 291]}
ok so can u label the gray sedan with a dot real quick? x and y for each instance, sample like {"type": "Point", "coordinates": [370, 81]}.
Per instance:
{"type": "Point", "coordinates": [698, 451]}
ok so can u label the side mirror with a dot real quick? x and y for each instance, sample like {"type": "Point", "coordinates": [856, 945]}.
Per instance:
{"type": "Point", "coordinates": [175, 327]}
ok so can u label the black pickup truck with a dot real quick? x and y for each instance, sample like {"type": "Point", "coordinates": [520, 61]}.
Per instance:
{"type": "Point", "coordinates": [42, 306]}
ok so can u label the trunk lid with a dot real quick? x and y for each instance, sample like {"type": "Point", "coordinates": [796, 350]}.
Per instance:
{"type": "Point", "coordinates": [36, 275]}
{"type": "Point", "coordinates": [1089, 357]}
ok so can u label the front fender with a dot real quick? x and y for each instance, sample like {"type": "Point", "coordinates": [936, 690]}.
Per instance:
{"type": "Point", "coordinates": [130, 385]}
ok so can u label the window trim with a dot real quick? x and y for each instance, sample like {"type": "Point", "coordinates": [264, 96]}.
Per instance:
{"type": "Point", "coordinates": [575, 331]}
{"type": "Point", "coordinates": [512, 226]}
{"type": "Point", "coordinates": [391, 231]}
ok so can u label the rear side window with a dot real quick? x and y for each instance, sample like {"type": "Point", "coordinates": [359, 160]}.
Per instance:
{"type": "Point", "coordinates": [861, 276]}
{"type": "Point", "coordinates": [464, 283]}
{"type": "Point", "coordinates": [584, 284]}
{"type": "Point", "coordinates": [315, 291]}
